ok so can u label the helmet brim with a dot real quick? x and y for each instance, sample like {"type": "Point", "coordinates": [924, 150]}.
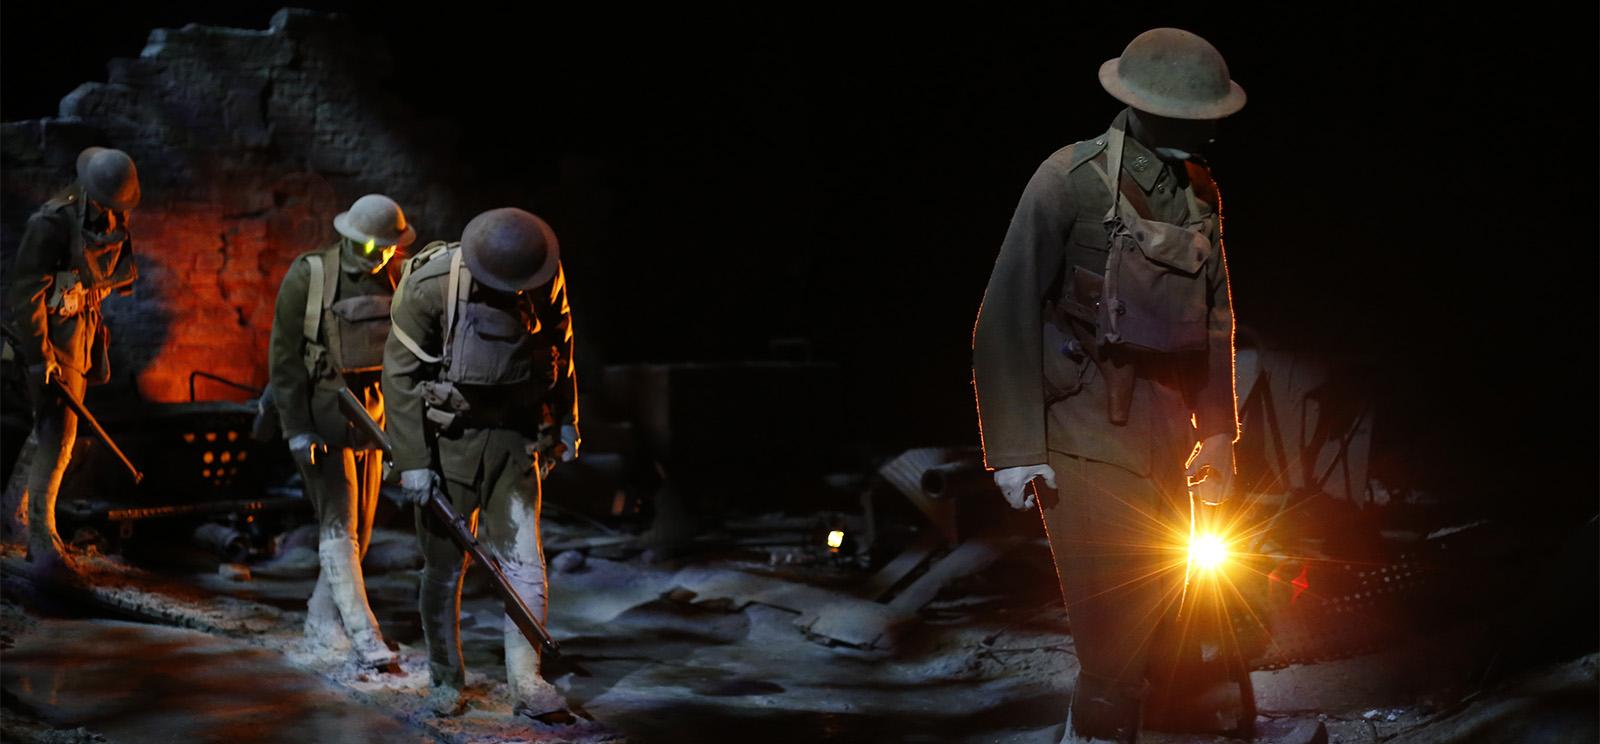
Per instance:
{"type": "Point", "coordinates": [1228, 105]}
{"type": "Point", "coordinates": [546, 272]}
{"type": "Point", "coordinates": [341, 223]}
{"type": "Point", "coordinates": [120, 205]}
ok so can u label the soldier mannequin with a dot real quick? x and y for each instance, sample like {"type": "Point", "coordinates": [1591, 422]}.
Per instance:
{"type": "Point", "coordinates": [328, 331]}
{"type": "Point", "coordinates": [1103, 359]}
{"type": "Point", "coordinates": [76, 251]}
{"type": "Point", "coordinates": [479, 374]}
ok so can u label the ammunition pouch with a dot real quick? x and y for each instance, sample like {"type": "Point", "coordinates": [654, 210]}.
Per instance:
{"type": "Point", "coordinates": [316, 359]}
{"type": "Point", "coordinates": [69, 296]}
{"type": "Point", "coordinates": [443, 404]}
{"type": "Point", "coordinates": [452, 407]}
{"type": "Point", "coordinates": [491, 346]}
{"type": "Point", "coordinates": [1156, 298]}
{"type": "Point", "coordinates": [360, 326]}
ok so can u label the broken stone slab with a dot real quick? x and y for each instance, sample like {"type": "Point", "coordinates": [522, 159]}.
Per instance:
{"type": "Point", "coordinates": [742, 589]}
{"type": "Point", "coordinates": [1553, 703]}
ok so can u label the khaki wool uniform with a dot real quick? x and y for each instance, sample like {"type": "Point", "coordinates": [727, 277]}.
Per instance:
{"type": "Point", "coordinates": [1122, 511]}
{"type": "Point", "coordinates": [328, 296]}
{"type": "Point", "coordinates": [66, 265]}
{"type": "Point", "coordinates": [509, 362]}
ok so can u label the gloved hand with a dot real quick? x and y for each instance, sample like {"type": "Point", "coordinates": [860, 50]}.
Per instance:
{"type": "Point", "coordinates": [567, 449]}
{"type": "Point", "coordinates": [39, 377]}
{"type": "Point", "coordinates": [1211, 471]}
{"type": "Point", "coordinates": [1013, 483]}
{"type": "Point", "coordinates": [417, 486]}
{"type": "Point", "coordinates": [307, 448]}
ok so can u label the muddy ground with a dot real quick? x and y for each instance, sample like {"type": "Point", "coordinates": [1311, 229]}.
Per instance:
{"type": "Point", "coordinates": [185, 653]}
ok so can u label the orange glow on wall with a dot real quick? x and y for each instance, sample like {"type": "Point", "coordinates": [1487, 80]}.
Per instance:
{"type": "Point", "coordinates": [204, 300]}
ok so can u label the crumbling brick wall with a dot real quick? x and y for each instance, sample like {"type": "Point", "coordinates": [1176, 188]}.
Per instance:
{"type": "Point", "coordinates": [247, 143]}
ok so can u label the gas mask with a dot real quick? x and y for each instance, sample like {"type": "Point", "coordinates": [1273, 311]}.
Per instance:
{"type": "Point", "coordinates": [370, 256]}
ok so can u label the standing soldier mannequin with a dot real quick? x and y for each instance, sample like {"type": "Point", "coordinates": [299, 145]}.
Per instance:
{"type": "Point", "coordinates": [1103, 356]}
{"type": "Point", "coordinates": [76, 251]}
{"type": "Point", "coordinates": [479, 374]}
{"type": "Point", "coordinates": [328, 331]}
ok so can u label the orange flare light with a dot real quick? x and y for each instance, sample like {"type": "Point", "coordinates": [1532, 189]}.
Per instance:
{"type": "Point", "coordinates": [1207, 552]}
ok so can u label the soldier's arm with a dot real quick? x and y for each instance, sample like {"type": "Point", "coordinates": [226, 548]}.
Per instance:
{"type": "Point", "coordinates": [286, 367]}
{"type": "Point", "coordinates": [1007, 373]}
{"type": "Point", "coordinates": [1216, 410]}
{"type": "Point", "coordinates": [555, 316]}
{"type": "Point", "coordinates": [41, 254]}
{"type": "Point", "coordinates": [418, 314]}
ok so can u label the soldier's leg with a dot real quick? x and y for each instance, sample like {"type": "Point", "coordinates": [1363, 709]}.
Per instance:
{"type": "Point", "coordinates": [339, 553]}
{"type": "Point", "coordinates": [323, 624]}
{"type": "Point", "coordinates": [511, 534]}
{"type": "Point", "coordinates": [1118, 545]}
{"type": "Point", "coordinates": [369, 465]}
{"type": "Point", "coordinates": [368, 482]}
{"type": "Point", "coordinates": [56, 429]}
{"type": "Point", "coordinates": [439, 595]}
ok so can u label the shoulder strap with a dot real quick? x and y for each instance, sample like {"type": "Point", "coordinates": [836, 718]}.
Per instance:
{"type": "Point", "coordinates": [331, 269]}
{"type": "Point", "coordinates": [330, 281]}
{"type": "Point", "coordinates": [1113, 175]}
{"type": "Point", "coordinates": [460, 279]}
{"type": "Point", "coordinates": [73, 203]}
{"type": "Point", "coordinates": [313, 318]}
{"type": "Point", "coordinates": [425, 255]}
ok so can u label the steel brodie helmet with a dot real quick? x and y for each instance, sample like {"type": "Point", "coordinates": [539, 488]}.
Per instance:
{"type": "Point", "coordinates": [510, 249]}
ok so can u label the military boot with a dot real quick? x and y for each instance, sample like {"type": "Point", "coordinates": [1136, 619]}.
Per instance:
{"type": "Point", "coordinates": [1102, 713]}
{"type": "Point", "coordinates": [531, 694]}
{"type": "Point", "coordinates": [47, 555]}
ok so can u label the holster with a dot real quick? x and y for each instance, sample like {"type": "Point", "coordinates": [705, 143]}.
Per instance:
{"type": "Point", "coordinates": [442, 403]}
{"type": "Point", "coordinates": [1077, 312]}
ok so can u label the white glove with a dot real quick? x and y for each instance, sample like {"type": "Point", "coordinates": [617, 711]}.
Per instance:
{"type": "Point", "coordinates": [1211, 470]}
{"type": "Point", "coordinates": [307, 447]}
{"type": "Point", "coordinates": [1013, 483]}
{"type": "Point", "coordinates": [416, 486]}
{"type": "Point", "coordinates": [569, 443]}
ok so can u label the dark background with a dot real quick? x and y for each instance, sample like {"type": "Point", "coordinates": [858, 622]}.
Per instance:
{"type": "Point", "coordinates": [1412, 188]}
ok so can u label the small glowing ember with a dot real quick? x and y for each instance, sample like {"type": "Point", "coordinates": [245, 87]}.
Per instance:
{"type": "Point", "coordinates": [836, 539]}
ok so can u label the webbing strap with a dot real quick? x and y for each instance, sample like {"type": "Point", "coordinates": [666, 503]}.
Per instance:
{"type": "Point", "coordinates": [313, 318]}
{"type": "Point", "coordinates": [459, 278]}
{"type": "Point", "coordinates": [330, 289]}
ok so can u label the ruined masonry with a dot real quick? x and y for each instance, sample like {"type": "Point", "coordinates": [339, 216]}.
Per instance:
{"type": "Point", "coordinates": [248, 143]}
